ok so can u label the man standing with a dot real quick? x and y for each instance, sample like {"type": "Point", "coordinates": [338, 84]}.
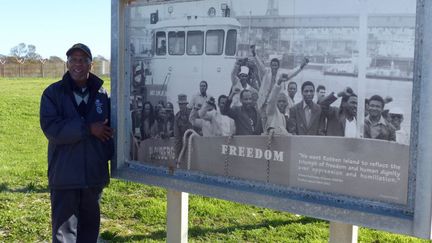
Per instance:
{"type": "Point", "coordinates": [341, 121]}
{"type": "Point", "coordinates": [396, 118]}
{"type": "Point", "coordinates": [305, 117]}
{"type": "Point", "coordinates": [181, 122]}
{"type": "Point", "coordinates": [74, 116]}
{"type": "Point", "coordinates": [269, 77]}
{"type": "Point", "coordinates": [221, 124]}
{"type": "Point", "coordinates": [376, 126]}
{"type": "Point", "coordinates": [200, 98]}
{"type": "Point", "coordinates": [240, 79]}
{"type": "Point", "coordinates": [321, 93]}
{"type": "Point", "coordinates": [275, 109]}
{"type": "Point", "coordinates": [161, 127]}
{"type": "Point", "coordinates": [292, 90]}
{"type": "Point", "coordinates": [246, 117]}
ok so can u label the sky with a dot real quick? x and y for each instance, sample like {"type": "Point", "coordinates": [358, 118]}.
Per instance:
{"type": "Point", "coordinates": [316, 7]}
{"type": "Point", "coordinates": [53, 26]}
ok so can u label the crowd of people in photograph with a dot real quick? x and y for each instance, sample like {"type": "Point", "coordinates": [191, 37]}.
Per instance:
{"type": "Point", "coordinates": [261, 102]}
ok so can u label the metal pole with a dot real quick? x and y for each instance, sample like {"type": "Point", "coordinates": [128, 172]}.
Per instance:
{"type": "Point", "coordinates": [249, 29]}
{"type": "Point", "coordinates": [362, 64]}
{"type": "Point", "coordinates": [177, 216]}
{"type": "Point", "coordinates": [422, 119]}
{"type": "Point", "coordinates": [343, 233]}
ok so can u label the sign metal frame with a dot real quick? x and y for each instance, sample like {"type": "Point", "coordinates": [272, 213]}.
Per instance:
{"type": "Point", "coordinates": [415, 220]}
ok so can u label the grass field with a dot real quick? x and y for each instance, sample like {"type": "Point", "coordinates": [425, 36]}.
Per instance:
{"type": "Point", "coordinates": [130, 212]}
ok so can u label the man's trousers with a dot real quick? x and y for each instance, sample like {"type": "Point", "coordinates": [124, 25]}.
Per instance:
{"type": "Point", "coordinates": [75, 214]}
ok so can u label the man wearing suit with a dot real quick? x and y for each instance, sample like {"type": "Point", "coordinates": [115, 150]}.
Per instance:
{"type": "Point", "coordinates": [305, 117]}
{"type": "Point", "coordinates": [246, 117]}
{"type": "Point", "coordinates": [341, 121]}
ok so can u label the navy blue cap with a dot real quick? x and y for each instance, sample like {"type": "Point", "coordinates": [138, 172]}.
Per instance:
{"type": "Point", "coordinates": [82, 47]}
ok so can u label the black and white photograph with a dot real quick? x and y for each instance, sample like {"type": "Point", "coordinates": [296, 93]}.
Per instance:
{"type": "Point", "coordinates": [258, 72]}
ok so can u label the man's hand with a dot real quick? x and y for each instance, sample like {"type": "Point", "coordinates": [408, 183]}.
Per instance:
{"type": "Point", "coordinates": [101, 130]}
{"type": "Point", "coordinates": [304, 63]}
{"type": "Point", "coordinates": [346, 92]}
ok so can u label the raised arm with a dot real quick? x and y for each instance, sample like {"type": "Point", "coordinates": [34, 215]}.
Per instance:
{"type": "Point", "coordinates": [299, 69]}
{"type": "Point", "coordinates": [234, 72]}
{"type": "Point", "coordinates": [272, 102]}
{"type": "Point", "coordinates": [194, 118]}
{"type": "Point", "coordinates": [258, 61]}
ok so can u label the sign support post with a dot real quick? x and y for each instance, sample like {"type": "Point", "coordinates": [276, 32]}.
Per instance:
{"type": "Point", "coordinates": [343, 233]}
{"type": "Point", "coordinates": [177, 216]}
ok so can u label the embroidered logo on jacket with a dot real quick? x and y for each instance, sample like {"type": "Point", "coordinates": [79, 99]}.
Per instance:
{"type": "Point", "coordinates": [99, 105]}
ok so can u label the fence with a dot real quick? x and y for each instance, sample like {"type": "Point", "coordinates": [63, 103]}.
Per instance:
{"type": "Point", "coordinates": [47, 69]}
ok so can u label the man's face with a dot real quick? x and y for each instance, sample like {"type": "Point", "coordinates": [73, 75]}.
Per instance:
{"type": "Point", "coordinates": [169, 109]}
{"type": "Point", "coordinates": [274, 66]}
{"type": "Point", "coordinates": [79, 66]}
{"type": "Point", "coordinates": [292, 90]}
{"type": "Point", "coordinates": [183, 106]}
{"type": "Point", "coordinates": [246, 99]}
{"type": "Point", "coordinates": [396, 120]}
{"type": "Point", "coordinates": [308, 93]}
{"type": "Point", "coordinates": [243, 79]}
{"type": "Point", "coordinates": [222, 103]}
{"type": "Point", "coordinates": [321, 94]}
{"type": "Point", "coordinates": [254, 98]}
{"type": "Point", "coordinates": [375, 108]}
{"type": "Point", "coordinates": [162, 113]}
{"type": "Point", "coordinates": [147, 109]}
{"type": "Point", "coordinates": [282, 105]}
{"type": "Point", "coordinates": [203, 87]}
{"type": "Point", "coordinates": [351, 106]}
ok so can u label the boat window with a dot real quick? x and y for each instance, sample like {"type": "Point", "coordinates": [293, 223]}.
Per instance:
{"type": "Point", "coordinates": [176, 42]}
{"type": "Point", "coordinates": [160, 43]}
{"type": "Point", "coordinates": [214, 42]}
{"type": "Point", "coordinates": [231, 43]}
{"type": "Point", "coordinates": [195, 42]}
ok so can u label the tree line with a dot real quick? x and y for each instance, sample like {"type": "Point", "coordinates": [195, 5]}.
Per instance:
{"type": "Point", "coordinates": [22, 53]}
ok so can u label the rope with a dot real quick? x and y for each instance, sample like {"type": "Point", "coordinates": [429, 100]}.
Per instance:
{"type": "Point", "coordinates": [269, 143]}
{"type": "Point", "coordinates": [194, 134]}
{"type": "Point", "coordinates": [184, 145]}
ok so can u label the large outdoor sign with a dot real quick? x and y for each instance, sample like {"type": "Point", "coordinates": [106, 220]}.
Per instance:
{"type": "Point", "coordinates": [315, 110]}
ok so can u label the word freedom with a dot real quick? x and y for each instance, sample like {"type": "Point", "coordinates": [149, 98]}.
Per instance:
{"type": "Point", "coordinates": [254, 153]}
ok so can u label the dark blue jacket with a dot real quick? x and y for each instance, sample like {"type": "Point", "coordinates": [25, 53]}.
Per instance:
{"type": "Point", "coordinates": [76, 159]}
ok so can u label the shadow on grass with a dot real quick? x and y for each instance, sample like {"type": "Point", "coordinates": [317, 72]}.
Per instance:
{"type": "Point", "coordinates": [198, 231]}
{"type": "Point", "coordinates": [112, 237]}
{"type": "Point", "coordinates": [29, 188]}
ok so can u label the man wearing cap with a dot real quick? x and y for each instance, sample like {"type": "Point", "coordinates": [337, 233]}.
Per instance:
{"type": "Point", "coordinates": [395, 116]}
{"type": "Point", "coordinates": [74, 116]}
{"type": "Point", "coordinates": [240, 78]}
{"type": "Point", "coordinates": [181, 121]}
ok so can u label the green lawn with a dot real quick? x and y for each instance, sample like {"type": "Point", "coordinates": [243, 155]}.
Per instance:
{"type": "Point", "coordinates": [130, 212]}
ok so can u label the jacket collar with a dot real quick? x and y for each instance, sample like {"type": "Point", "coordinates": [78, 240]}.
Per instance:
{"type": "Point", "coordinates": [93, 82]}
